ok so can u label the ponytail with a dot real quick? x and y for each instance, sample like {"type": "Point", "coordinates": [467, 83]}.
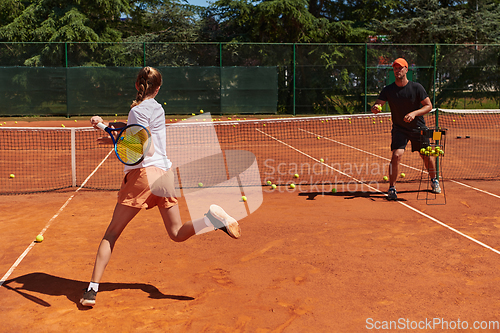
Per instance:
{"type": "Point", "coordinates": [148, 80]}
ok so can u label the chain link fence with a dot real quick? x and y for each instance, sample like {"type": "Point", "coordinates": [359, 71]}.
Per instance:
{"type": "Point", "coordinates": [69, 79]}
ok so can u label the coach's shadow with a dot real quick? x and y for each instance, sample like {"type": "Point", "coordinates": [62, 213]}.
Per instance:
{"type": "Point", "coordinates": [348, 195]}
{"type": "Point", "coordinates": [47, 284]}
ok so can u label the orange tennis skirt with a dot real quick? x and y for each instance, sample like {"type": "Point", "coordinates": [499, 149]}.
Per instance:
{"type": "Point", "coordinates": [148, 187]}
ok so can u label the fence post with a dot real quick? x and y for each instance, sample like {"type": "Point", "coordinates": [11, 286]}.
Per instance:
{"type": "Point", "coordinates": [220, 79]}
{"type": "Point", "coordinates": [67, 85]}
{"type": "Point", "coordinates": [294, 77]}
{"type": "Point", "coordinates": [366, 77]}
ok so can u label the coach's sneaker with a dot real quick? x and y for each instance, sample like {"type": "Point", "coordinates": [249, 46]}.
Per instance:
{"type": "Point", "coordinates": [392, 194]}
{"type": "Point", "coordinates": [435, 186]}
{"type": "Point", "coordinates": [221, 220]}
{"type": "Point", "coordinates": [88, 298]}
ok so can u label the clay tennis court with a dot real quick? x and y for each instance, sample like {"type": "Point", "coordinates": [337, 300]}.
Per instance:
{"type": "Point", "coordinates": [307, 262]}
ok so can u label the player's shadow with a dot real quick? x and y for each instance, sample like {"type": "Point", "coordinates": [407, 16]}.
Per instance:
{"type": "Point", "coordinates": [47, 284]}
{"type": "Point", "coordinates": [349, 195]}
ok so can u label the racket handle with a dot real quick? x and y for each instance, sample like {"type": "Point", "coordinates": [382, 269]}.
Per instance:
{"type": "Point", "coordinates": [101, 126]}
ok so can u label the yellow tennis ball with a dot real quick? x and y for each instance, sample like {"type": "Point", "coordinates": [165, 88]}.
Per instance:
{"type": "Point", "coordinates": [269, 182]}
{"type": "Point", "coordinates": [244, 198]}
{"type": "Point", "coordinates": [403, 175]}
{"type": "Point", "coordinates": [201, 111]}
{"type": "Point", "coordinates": [296, 175]}
{"type": "Point", "coordinates": [292, 185]}
{"type": "Point", "coordinates": [273, 186]}
{"type": "Point", "coordinates": [63, 125]}
{"type": "Point", "coordinates": [39, 239]}
{"type": "Point", "coordinates": [321, 160]}
{"type": "Point", "coordinates": [200, 184]}
{"type": "Point", "coordinates": [12, 175]}
{"type": "Point", "coordinates": [386, 178]}
{"type": "Point", "coordinates": [379, 107]}
{"type": "Point", "coordinates": [334, 190]}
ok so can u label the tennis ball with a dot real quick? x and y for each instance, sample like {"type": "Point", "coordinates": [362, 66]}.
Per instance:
{"type": "Point", "coordinates": [273, 186]}
{"type": "Point", "coordinates": [63, 125]}
{"type": "Point", "coordinates": [403, 175]}
{"type": "Point", "coordinates": [292, 185]}
{"type": "Point", "coordinates": [12, 175]}
{"type": "Point", "coordinates": [244, 198]}
{"type": "Point", "coordinates": [39, 239]}
{"type": "Point", "coordinates": [321, 160]}
{"type": "Point", "coordinates": [200, 184]}
{"type": "Point", "coordinates": [269, 182]}
{"type": "Point", "coordinates": [296, 175]}
{"type": "Point", "coordinates": [201, 111]}
{"type": "Point", "coordinates": [334, 190]}
{"type": "Point", "coordinates": [318, 138]}
{"type": "Point", "coordinates": [75, 120]}
{"type": "Point", "coordinates": [422, 151]}
{"type": "Point", "coordinates": [429, 148]}
{"type": "Point", "coordinates": [386, 178]}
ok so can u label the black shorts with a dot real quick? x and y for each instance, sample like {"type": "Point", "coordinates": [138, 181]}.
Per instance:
{"type": "Point", "coordinates": [400, 138]}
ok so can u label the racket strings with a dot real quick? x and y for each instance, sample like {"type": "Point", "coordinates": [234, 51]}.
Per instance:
{"type": "Point", "coordinates": [132, 144]}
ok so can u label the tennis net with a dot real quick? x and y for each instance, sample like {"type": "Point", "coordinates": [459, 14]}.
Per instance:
{"type": "Point", "coordinates": [324, 152]}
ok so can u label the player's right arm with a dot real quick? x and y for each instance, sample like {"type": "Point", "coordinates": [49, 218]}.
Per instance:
{"type": "Point", "coordinates": [377, 107]}
{"type": "Point", "coordinates": [104, 139]}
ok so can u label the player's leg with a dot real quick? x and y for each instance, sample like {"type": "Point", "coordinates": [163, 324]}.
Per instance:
{"type": "Point", "coordinates": [430, 165]}
{"type": "Point", "coordinates": [177, 231]}
{"type": "Point", "coordinates": [216, 218]}
{"type": "Point", "coordinates": [122, 215]}
{"type": "Point", "coordinates": [398, 144]}
{"type": "Point", "coordinates": [397, 155]}
{"type": "Point", "coordinates": [422, 141]}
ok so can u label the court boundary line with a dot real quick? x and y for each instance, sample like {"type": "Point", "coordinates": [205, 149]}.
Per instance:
{"type": "Point", "coordinates": [400, 202]}
{"type": "Point", "coordinates": [387, 159]}
{"type": "Point", "coordinates": [49, 223]}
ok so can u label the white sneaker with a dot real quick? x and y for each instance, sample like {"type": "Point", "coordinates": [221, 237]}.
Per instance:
{"type": "Point", "coordinates": [435, 186]}
{"type": "Point", "coordinates": [221, 220]}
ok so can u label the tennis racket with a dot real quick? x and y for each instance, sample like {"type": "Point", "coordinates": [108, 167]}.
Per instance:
{"type": "Point", "coordinates": [131, 143]}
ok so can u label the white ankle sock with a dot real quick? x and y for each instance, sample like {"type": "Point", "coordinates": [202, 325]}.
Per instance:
{"type": "Point", "coordinates": [94, 286]}
{"type": "Point", "coordinates": [202, 225]}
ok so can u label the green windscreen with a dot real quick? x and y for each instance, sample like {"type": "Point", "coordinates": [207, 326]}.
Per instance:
{"type": "Point", "coordinates": [110, 90]}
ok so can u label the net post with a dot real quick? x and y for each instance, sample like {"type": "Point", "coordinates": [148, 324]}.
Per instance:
{"type": "Point", "coordinates": [73, 157]}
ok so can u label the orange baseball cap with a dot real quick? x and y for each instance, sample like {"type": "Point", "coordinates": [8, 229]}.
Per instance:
{"type": "Point", "coordinates": [401, 62]}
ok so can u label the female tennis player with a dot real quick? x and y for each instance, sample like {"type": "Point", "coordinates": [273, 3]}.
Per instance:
{"type": "Point", "coordinates": [149, 184]}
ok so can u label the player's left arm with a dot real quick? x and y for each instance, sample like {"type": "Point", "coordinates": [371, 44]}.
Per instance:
{"type": "Point", "coordinates": [426, 108]}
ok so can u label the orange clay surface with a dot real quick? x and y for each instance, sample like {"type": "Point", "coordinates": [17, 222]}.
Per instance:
{"type": "Point", "coordinates": [306, 262]}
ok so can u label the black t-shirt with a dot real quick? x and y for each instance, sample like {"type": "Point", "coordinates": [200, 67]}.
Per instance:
{"type": "Point", "coordinates": [404, 100]}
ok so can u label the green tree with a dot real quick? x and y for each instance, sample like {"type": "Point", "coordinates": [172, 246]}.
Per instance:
{"type": "Point", "coordinates": [61, 21]}
{"type": "Point", "coordinates": [278, 21]}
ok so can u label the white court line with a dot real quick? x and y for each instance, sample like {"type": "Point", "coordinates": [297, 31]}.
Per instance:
{"type": "Point", "coordinates": [475, 188]}
{"type": "Point", "coordinates": [25, 253]}
{"type": "Point", "coordinates": [400, 202]}
{"type": "Point", "coordinates": [387, 159]}
{"type": "Point", "coordinates": [361, 150]}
